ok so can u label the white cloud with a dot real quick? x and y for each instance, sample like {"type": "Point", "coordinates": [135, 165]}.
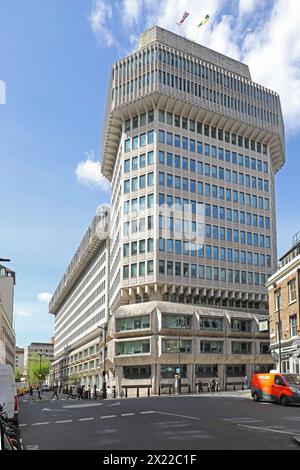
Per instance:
{"type": "Point", "coordinates": [273, 54]}
{"type": "Point", "coordinates": [247, 6]}
{"type": "Point", "coordinates": [24, 314]}
{"type": "Point", "coordinates": [99, 17]}
{"type": "Point", "coordinates": [44, 297]}
{"type": "Point", "coordinates": [88, 172]}
{"type": "Point", "coordinates": [131, 10]}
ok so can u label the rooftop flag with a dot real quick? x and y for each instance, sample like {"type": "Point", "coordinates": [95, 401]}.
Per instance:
{"type": "Point", "coordinates": [203, 22]}
{"type": "Point", "coordinates": [186, 14]}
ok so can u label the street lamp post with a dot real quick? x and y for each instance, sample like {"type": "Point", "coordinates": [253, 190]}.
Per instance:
{"type": "Point", "coordinates": [278, 296]}
{"type": "Point", "coordinates": [104, 389]}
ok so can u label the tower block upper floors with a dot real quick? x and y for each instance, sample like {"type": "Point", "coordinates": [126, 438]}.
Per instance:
{"type": "Point", "coordinates": [191, 146]}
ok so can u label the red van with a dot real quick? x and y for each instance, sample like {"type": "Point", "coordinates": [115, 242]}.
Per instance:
{"type": "Point", "coordinates": [276, 387]}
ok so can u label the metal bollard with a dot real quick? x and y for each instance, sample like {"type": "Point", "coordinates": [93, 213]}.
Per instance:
{"type": "Point", "coordinates": [148, 391]}
{"type": "Point", "coordinates": [189, 389]}
{"type": "Point", "coordinates": [137, 392]}
{"type": "Point", "coordinates": [159, 391]}
{"type": "Point", "coordinates": [169, 390]}
{"type": "Point", "coordinates": [126, 392]}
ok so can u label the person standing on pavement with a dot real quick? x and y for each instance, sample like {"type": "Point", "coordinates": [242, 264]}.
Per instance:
{"type": "Point", "coordinates": [95, 392]}
{"type": "Point", "coordinates": [89, 392]}
{"type": "Point", "coordinates": [39, 392]}
{"type": "Point", "coordinates": [79, 392]}
{"type": "Point", "coordinates": [55, 393]}
{"type": "Point", "coordinates": [246, 383]}
{"type": "Point", "coordinates": [31, 392]}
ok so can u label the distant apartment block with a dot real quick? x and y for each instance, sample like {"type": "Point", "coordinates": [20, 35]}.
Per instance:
{"type": "Point", "coordinates": [46, 350]}
{"type": "Point", "coordinates": [19, 362]}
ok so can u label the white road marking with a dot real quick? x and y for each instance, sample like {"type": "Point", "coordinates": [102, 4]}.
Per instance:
{"type": "Point", "coordinates": [242, 420]}
{"type": "Point", "coordinates": [22, 425]}
{"type": "Point", "coordinates": [86, 405]}
{"type": "Point", "coordinates": [179, 416]}
{"type": "Point", "coordinates": [114, 404]}
{"type": "Point", "coordinates": [107, 417]}
{"type": "Point", "coordinates": [32, 447]}
{"type": "Point", "coordinates": [86, 419]}
{"type": "Point", "coordinates": [41, 424]}
{"type": "Point", "coordinates": [128, 414]}
{"type": "Point", "coordinates": [63, 422]}
{"type": "Point", "coordinates": [269, 430]}
{"type": "Point", "coordinates": [147, 412]}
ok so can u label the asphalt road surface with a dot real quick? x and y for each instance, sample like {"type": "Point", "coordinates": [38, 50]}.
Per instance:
{"type": "Point", "coordinates": [165, 423]}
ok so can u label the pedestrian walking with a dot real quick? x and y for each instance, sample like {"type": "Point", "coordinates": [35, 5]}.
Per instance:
{"type": "Point", "coordinates": [199, 386]}
{"type": "Point", "coordinates": [95, 392]}
{"type": "Point", "coordinates": [82, 392]}
{"type": "Point", "coordinates": [31, 392]}
{"type": "Point", "coordinates": [55, 390]}
{"type": "Point", "coordinates": [79, 392]}
{"type": "Point", "coordinates": [39, 393]}
{"type": "Point", "coordinates": [217, 385]}
{"type": "Point", "coordinates": [246, 383]}
{"type": "Point", "coordinates": [89, 392]}
{"type": "Point", "coordinates": [212, 386]}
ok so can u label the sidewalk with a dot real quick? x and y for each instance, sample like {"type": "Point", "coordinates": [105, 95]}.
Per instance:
{"type": "Point", "coordinates": [224, 394]}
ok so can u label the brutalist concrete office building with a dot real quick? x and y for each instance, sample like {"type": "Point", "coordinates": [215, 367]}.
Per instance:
{"type": "Point", "coordinates": [191, 146]}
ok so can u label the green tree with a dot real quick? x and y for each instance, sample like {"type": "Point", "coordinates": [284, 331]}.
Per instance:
{"type": "Point", "coordinates": [38, 369]}
{"type": "Point", "coordinates": [18, 375]}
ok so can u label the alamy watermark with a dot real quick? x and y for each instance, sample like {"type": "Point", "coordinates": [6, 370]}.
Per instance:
{"type": "Point", "coordinates": [169, 222]}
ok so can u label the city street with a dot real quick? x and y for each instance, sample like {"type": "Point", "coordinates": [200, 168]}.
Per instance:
{"type": "Point", "coordinates": [169, 423]}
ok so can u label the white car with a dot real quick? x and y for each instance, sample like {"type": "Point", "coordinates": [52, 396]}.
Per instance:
{"type": "Point", "coordinates": [8, 393]}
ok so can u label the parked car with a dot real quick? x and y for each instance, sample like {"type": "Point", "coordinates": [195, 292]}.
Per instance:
{"type": "Point", "coordinates": [276, 387]}
{"type": "Point", "coordinates": [8, 393]}
{"type": "Point", "coordinates": [45, 388]}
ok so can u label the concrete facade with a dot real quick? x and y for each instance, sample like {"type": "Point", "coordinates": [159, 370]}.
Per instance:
{"type": "Point", "coordinates": [7, 333]}
{"type": "Point", "coordinates": [191, 146]}
{"type": "Point", "coordinates": [80, 306]}
{"type": "Point", "coordinates": [7, 340]}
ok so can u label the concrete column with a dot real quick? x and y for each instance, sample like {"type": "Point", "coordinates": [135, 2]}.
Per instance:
{"type": "Point", "coordinates": [221, 376]}
{"type": "Point", "coordinates": [155, 378]}
{"type": "Point", "coordinates": [191, 377]}
{"type": "Point", "coordinates": [119, 378]}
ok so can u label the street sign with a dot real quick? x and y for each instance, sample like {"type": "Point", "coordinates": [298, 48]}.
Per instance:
{"type": "Point", "coordinates": [264, 326]}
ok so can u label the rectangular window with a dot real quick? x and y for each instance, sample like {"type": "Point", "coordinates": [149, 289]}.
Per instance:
{"type": "Point", "coordinates": [212, 347]}
{"type": "Point", "coordinates": [292, 291]}
{"type": "Point", "coordinates": [293, 326]}
{"type": "Point", "coordinates": [241, 348]}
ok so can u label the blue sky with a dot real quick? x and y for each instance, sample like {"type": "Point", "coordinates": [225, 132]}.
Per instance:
{"type": "Point", "coordinates": [55, 60]}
